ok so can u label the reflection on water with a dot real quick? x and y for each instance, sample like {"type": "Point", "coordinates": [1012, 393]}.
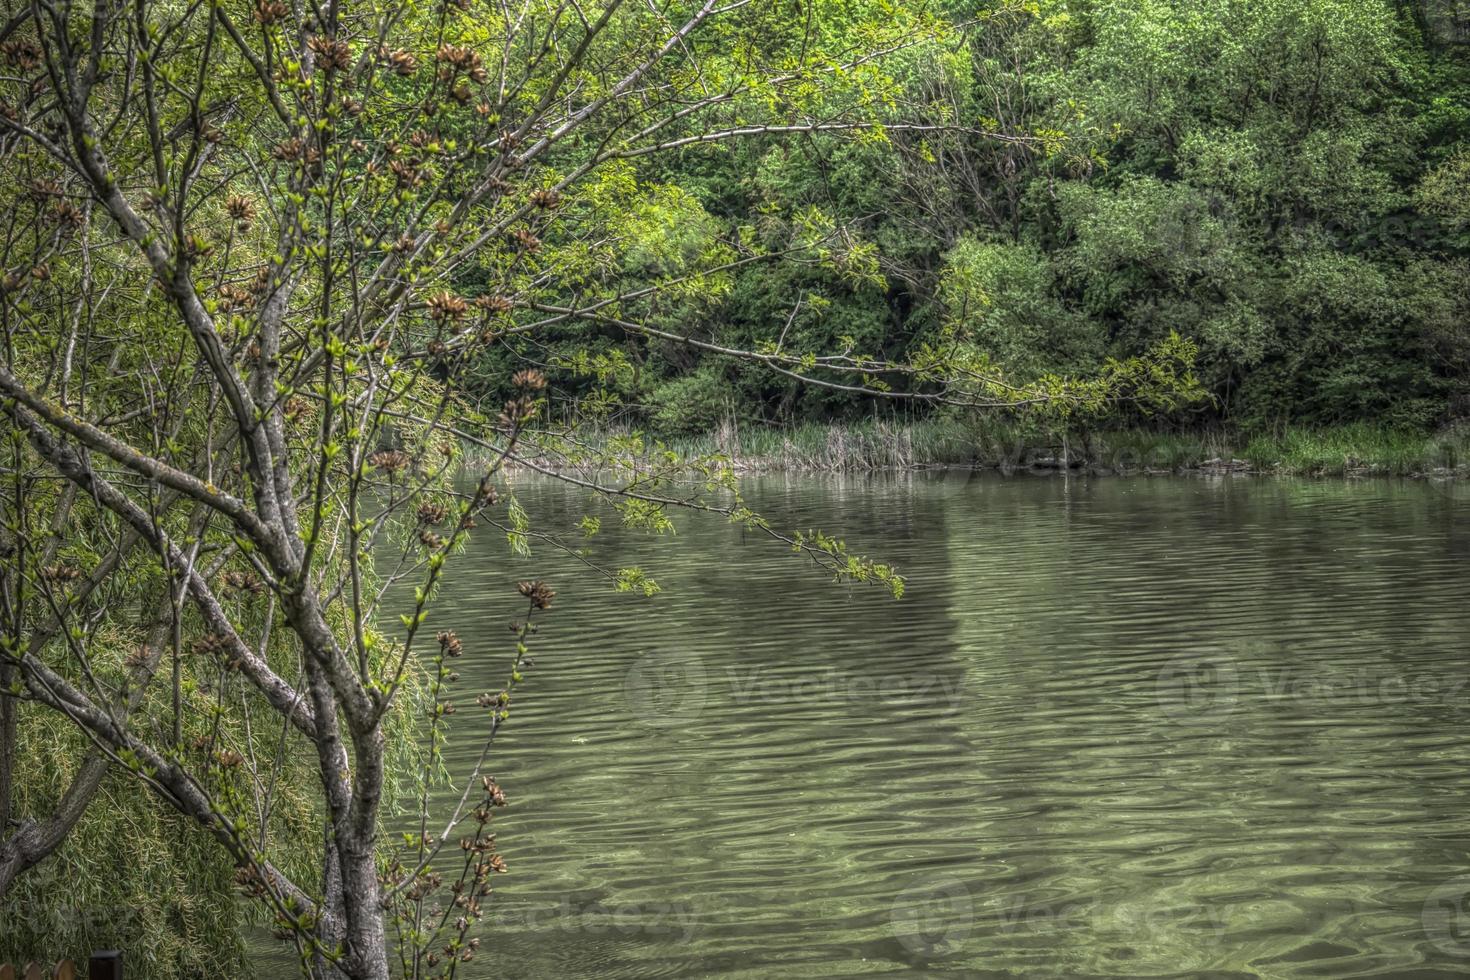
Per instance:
{"type": "Point", "coordinates": [1122, 727]}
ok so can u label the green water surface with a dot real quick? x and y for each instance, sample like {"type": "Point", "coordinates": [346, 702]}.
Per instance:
{"type": "Point", "coordinates": [1117, 727]}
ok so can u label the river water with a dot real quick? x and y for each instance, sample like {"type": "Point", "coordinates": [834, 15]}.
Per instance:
{"type": "Point", "coordinates": [1119, 727]}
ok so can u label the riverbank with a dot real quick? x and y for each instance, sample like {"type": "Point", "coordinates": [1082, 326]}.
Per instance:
{"type": "Point", "coordinates": [1346, 451]}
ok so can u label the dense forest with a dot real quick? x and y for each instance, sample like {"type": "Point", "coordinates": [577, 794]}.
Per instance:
{"type": "Point", "coordinates": [1285, 183]}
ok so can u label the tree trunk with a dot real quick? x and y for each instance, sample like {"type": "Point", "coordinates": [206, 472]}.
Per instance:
{"type": "Point", "coordinates": [32, 842]}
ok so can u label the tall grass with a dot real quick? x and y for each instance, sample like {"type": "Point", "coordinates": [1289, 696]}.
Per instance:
{"type": "Point", "coordinates": [876, 445]}
{"type": "Point", "coordinates": [1349, 450]}
{"type": "Point", "coordinates": [1358, 449]}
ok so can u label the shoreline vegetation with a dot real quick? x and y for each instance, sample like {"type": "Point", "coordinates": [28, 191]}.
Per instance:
{"type": "Point", "coordinates": [1348, 451]}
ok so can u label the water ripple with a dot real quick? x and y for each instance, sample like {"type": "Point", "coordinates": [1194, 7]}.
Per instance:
{"type": "Point", "coordinates": [1162, 728]}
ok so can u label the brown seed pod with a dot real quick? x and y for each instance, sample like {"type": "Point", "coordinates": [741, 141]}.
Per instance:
{"type": "Point", "coordinates": [232, 297]}
{"type": "Point", "coordinates": [269, 12]}
{"type": "Point", "coordinates": [538, 592]}
{"type": "Point", "coordinates": [241, 209]}
{"type": "Point", "coordinates": [43, 188]}
{"type": "Point", "coordinates": [390, 460]}
{"type": "Point", "coordinates": [406, 173]}
{"type": "Point", "coordinates": [446, 306]}
{"type": "Point", "coordinates": [22, 54]}
{"type": "Point", "coordinates": [332, 54]}
{"type": "Point", "coordinates": [494, 304]}
{"type": "Point", "coordinates": [526, 241]}
{"type": "Point", "coordinates": [67, 214]}
{"type": "Point", "coordinates": [529, 379]}
{"type": "Point", "coordinates": [61, 574]}
{"type": "Point", "coordinates": [516, 411]}
{"type": "Point", "coordinates": [402, 63]}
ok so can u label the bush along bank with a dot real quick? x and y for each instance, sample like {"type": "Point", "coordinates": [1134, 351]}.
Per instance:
{"type": "Point", "coordinates": [1357, 450]}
